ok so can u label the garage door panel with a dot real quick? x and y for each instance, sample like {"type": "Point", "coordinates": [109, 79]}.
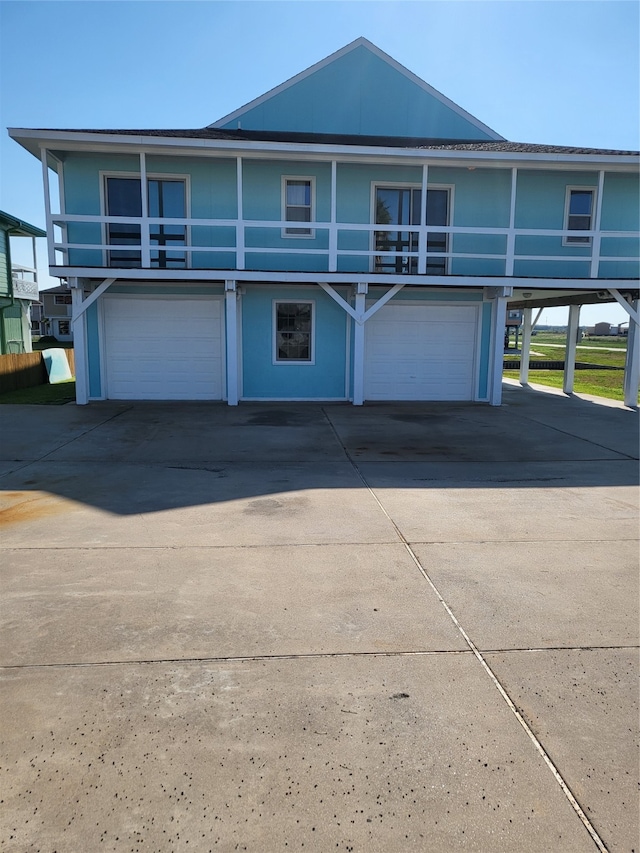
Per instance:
{"type": "Point", "coordinates": [162, 349]}
{"type": "Point", "coordinates": [421, 352]}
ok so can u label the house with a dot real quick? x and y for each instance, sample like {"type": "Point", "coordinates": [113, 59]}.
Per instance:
{"type": "Point", "coordinates": [51, 315]}
{"type": "Point", "coordinates": [18, 286]}
{"type": "Point", "coordinates": [328, 242]}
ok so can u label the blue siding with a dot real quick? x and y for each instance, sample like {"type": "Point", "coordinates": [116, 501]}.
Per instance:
{"type": "Point", "coordinates": [359, 93]}
{"type": "Point", "coordinates": [261, 378]}
{"type": "Point", "coordinates": [93, 351]}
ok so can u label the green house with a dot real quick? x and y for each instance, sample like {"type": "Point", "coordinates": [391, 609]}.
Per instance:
{"type": "Point", "coordinates": [18, 286]}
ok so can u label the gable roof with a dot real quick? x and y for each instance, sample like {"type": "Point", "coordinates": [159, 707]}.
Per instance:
{"type": "Point", "coordinates": [358, 90]}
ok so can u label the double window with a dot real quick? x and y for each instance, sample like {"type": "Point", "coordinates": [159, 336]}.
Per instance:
{"type": "Point", "coordinates": [402, 206]}
{"type": "Point", "coordinates": [298, 204]}
{"type": "Point", "coordinates": [578, 214]}
{"type": "Point", "coordinates": [166, 198]}
{"type": "Point", "coordinates": [293, 332]}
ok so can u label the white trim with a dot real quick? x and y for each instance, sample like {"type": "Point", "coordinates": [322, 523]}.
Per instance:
{"type": "Point", "coordinates": [359, 42]}
{"type": "Point", "coordinates": [231, 341]}
{"type": "Point", "coordinates": [283, 208]}
{"type": "Point", "coordinates": [631, 379]}
{"type": "Point", "coordinates": [566, 240]}
{"type": "Point", "coordinates": [274, 332]}
{"type": "Point", "coordinates": [295, 399]}
{"type": "Point", "coordinates": [571, 349]}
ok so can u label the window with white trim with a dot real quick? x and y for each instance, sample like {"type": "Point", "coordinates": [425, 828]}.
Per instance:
{"type": "Point", "coordinates": [578, 216]}
{"type": "Point", "coordinates": [298, 201]}
{"type": "Point", "coordinates": [293, 332]}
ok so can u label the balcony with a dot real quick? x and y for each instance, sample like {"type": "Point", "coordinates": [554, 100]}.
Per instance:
{"type": "Point", "coordinates": [80, 245]}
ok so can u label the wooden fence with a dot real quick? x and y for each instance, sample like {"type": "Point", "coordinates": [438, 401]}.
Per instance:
{"type": "Point", "coordinates": [26, 369]}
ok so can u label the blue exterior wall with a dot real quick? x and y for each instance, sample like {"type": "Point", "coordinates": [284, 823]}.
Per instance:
{"type": "Point", "coordinates": [323, 380]}
{"type": "Point", "coordinates": [388, 104]}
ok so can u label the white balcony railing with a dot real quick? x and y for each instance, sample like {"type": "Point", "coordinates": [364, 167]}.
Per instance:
{"type": "Point", "coordinates": [328, 244]}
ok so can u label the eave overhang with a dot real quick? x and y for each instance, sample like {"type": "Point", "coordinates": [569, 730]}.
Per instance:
{"type": "Point", "coordinates": [85, 141]}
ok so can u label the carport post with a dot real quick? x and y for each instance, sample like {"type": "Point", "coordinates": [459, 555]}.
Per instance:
{"type": "Point", "coordinates": [570, 351]}
{"type": "Point", "coordinates": [499, 297]}
{"type": "Point", "coordinates": [358, 344]}
{"type": "Point", "coordinates": [526, 346]}
{"type": "Point", "coordinates": [231, 306]}
{"type": "Point", "coordinates": [78, 322]}
{"type": "Point", "coordinates": [631, 381]}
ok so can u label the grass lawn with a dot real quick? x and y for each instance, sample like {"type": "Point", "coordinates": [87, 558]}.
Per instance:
{"type": "Point", "coordinates": [52, 395]}
{"type": "Point", "coordinates": [601, 383]}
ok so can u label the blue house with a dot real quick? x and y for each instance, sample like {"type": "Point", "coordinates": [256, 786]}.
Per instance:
{"type": "Point", "coordinates": [350, 235]}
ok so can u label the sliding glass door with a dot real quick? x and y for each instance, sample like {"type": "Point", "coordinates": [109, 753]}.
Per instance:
{"type": "Point", "coordinates": [401, 206]}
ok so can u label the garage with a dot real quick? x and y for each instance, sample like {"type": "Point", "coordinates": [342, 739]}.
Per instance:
{"type": "Point", "coordinates": [421, 352]}
{"type": "Point", "coordinates": [163, 348]}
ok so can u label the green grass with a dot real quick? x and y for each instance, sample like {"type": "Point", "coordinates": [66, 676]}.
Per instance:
{"type": "Point", "coordinates": [52, 395]}
{"type": "Point", "coordinates": [606, 341]}
{"type": "Point", "coordinates": [601, 383]}
{"type": "Point", "coordinates": [38, 346]}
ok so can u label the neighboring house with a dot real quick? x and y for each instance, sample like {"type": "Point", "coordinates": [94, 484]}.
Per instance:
{"type": "Point", "coordinates": [327, 242]}
{"type": "Point", "coordinates": [52, 314]}
{"type": "Point", "coordinates": [18, 286]}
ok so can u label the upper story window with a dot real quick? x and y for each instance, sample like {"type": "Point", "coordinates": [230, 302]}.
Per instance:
{"type": "Point", "coordinates": [62, 299]}
{"type": "Point", "coordinates": [578, 214]}
{"type": "Point", "coordinates": [298, 202]}
{"type": "Point", "coordinates": [293, 332]}
{"type": "Point", "coordinates": [166, 199]}
{"type": "Point", "coordinates": [401, 206]}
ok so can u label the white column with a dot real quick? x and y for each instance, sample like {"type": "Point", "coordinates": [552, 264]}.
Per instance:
{"type": "Point", "coordinates": [422, 236]}
{"type": "Point", "coordinates": [596, 240]}
{"type": "Point", "coordinates": [526, 346]}
{"type": "Point", "coordinates": [499, 320]}
{"type": "Point", "coordinates": [358, 344]}
{"type": "Point", "coordinates": [78, 320]}
{"type": "Point", "coordinates": [511, 236]}
{"type": "Point", "coordinates": [632, 363]}
{"type": "Point", "coordinates": [47, 207]}
{"type": "Point", "coordinates": [231, 306]}
{"type": "Point", "coordinates": [570, 351]}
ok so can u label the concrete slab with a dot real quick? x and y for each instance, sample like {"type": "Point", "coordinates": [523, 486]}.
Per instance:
{"type": "Point", "coordinates": [583, 704]}
{"type": "Point", "coordinates": [89, 504]}
{"type": "Point", "coordinates": [538, 501]}
{"type": "Point", "coordinates": [540, 594]}
{"type": "Point", "coordinates": [209, 432]}
{"type": "Point", "coordinates": [154, 604]}
{"type": "Point", "coordinates": [351, 754]}
{"type": "Point", "coordinates": [456, 432]}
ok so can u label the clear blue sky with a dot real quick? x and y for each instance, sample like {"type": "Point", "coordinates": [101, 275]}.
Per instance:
{"type": "Point", "coordinates": [533, 70]}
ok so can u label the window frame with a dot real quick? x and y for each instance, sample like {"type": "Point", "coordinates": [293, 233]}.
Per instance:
{"type": "Point", "coordinates": [274, 333]}
{"type": "Point", "coordinates": [412, 185]}
{"type": "Point", "coordinates": [283, 206]}
{"type": "Point", "coordinates": [150, 176]}
{"type": "Point", "coordinates": [584, 242]}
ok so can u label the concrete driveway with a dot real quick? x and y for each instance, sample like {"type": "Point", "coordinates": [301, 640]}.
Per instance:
{"type": "Point", "coordinates": [303, 627]}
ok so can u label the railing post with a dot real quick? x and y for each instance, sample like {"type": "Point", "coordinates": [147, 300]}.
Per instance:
{"type": "Point", "coordinates": [511, 236]}
{"type": "Point", "coordinates": [240, 257]}
{"type": "Point", "coordinates": [422, 234]}
{"type": "Point", "coordinates": [596, 240]}
{"type": "Point", "coordinates": [145, 240]}
{"type": "Point", "coordinates": [333, 231]}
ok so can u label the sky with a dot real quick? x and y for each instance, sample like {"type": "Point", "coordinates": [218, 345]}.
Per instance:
{"type": "Point", "coordinates": [562, 72]}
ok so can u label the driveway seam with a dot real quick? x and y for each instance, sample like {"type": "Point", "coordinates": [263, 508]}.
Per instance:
{"type": "Point", "coordinates": [478, 655]}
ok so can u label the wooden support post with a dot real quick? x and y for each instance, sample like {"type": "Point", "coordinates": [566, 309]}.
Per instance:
{"type": "Point", "coordinates": [78, 320]}
{"type": "Point", "coordinates": [570, 351]}
{"type": "Point", "coordinates": [231, 307]}
{"type": "Point", "coordinates": [358, 344]}
{"type": "Point", "coordinates": [632, 362]}
{"type": "Point", "coordinates": [526, 346]}
{"type": "Point", "coordinates": [499, 319]}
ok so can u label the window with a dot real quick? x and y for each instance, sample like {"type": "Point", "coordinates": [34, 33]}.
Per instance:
{"type": "Point", "coordinates": [166, 198]}
{"type": "Point", "coordinates": [298, 204]}
{"type": "Point", "coordinates": [64, 327]}
{"type": "Point", "coordinates": [293, 332]}
{"type": "Point", "coordinates": [578, 214]}
{"type": "Point", "coordinates": [401, 206]}
{"type": "Point", "coordinates": [62, 299]}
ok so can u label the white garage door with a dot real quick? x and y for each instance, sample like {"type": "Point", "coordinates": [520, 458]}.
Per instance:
{"type": "Point", "coordinates": [421, 352]}
{"type": "Point", "coordinates": [163, 349]}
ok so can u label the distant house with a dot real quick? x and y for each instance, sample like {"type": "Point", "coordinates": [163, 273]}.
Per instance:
{"type": "Point", "coordinates": [352, 234]}
{"type": "Point", "coordinates": [18, 286]}
{"type": "Point", "coordinates": [51, 315]}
